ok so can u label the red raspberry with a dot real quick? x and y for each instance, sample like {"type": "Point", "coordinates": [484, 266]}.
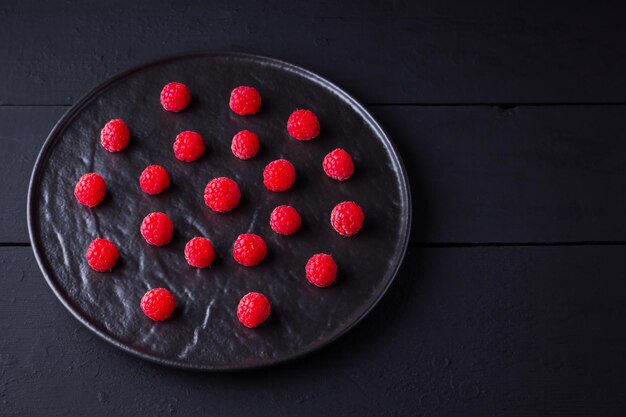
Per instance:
{"type": "Point", "coordinates": [175, 97]}
{"type": "Point", "coordinates": [199, 252]}
{"type": "Point", "coordinates": [245, 100]}
{"type": "Point", "coordinates": [338, 165]}
{"type": "Point", "coordinates": [90, 189]}
{"type": "Point", "coordinates": [347, 218]}
{"type": "Point", "coordinates": [285, 220]}
{"type": "Point", "coordinates": [249, 249]}
{"type": "Point", "coordinates": [158, 304]}
{"type": "Point", "coordinates": [115, 135]}
{"type": "Point", "coordinates": [303, 125]}
{"type": "Point", "coordinates": [321, 270]}
{"type": "Point", "coordinates": [279, 175]}
{"type": "Point", "coordinates": [253, 309]}
{"type": "Point", "coordinates": [102, 255]}
{"type": "Point", "coordinates": [154, 179]}
{"type": "Point", "coordinates": [222, 194]}
{"type": "Point", "coordinates": [188, 146]}
{"type": "Point", "coordinates": [157, 229]}
{"type": "Point", "coordinates": [245, 144]}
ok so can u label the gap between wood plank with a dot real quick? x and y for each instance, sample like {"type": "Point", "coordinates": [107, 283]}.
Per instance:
{"type": "Point", "coordinates": [447, 244]}
{"type": "Point", "coordinates": [504, 106]}
{"type": "Point", "coordinates": [521, 244]}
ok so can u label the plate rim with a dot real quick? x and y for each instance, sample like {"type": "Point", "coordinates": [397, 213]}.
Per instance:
{"type": "Point", "coordinates": [74, 110]}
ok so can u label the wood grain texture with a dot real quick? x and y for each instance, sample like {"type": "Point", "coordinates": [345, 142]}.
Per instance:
{"type": "Point", "coordinates": [525, 174]}
{"type": "Point", "coordinates": [397, 51]}
{"type": "Point", "coordinates": [479, 174]}
{"type": "Point", "coordinates": [23, 131]}
{"type": "Point", "coordinates": [469, 331]}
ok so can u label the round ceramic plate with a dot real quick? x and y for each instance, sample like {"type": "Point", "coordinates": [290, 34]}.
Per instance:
{"type": "Point", "coordinates": [204, 332]}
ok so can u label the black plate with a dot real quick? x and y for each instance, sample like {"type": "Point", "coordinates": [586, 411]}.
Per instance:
{"type": "Point", "coordinates": [204, 332]}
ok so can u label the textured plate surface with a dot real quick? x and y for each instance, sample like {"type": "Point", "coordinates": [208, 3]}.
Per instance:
{"type": "Point", "coordinates": [204, 332]}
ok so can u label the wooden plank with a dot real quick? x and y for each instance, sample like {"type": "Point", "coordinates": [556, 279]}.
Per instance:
{"type": "Point", "coordinates": [23, 131]}
{"type": "Point", "coordinates": [526, 174]}
{"type": "Point", "coordinates": [515, 331]}
{"type": "Point", "coordinates": [398, 51]}
{"type": "Point", "coordinates": [478, 173]}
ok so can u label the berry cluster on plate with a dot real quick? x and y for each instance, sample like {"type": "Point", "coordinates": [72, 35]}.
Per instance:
{"type": "Point", "coordinates": [221, 195]}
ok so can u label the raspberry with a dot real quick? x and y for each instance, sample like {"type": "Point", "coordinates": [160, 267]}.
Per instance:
{"type": "Point", "coordinates": [199, 252]}
{"type": "Point", "coordinates": [90, 189]}
{"type": "Point", "coordinates": [285, 220]}
{"type": "Point", "coordinates": [188, 146]}
{"type": "Point", "coordinates": [222, 194]}
{"type": "Point", "coordinates": [279, 175]}
{"type": "Point", "coordinates": [114, 136]}
{"type": "Point", "coordinates": [158, 304]}
{"type": "Point", "coordinates": [253, 309]}
{"type": "Point", "coordinates": [249, 249]}
{"type": "Point", "coordinates": [347, 218]}
{"type": "Point", "coordinates": [303, 125]}
{"type": "Point", "coordinates": [175, 97]}
{"type": "Point", "coordinates": [154, 179]}
{"type": "Point", "coordinates": [245, 100]}
{"type": "Point", "coordinates": [102, 255]}
{"type": "Point", "coordinates": [157, 229]}
{"type": "Point", "coordinates": [321, 270]}
{"type": "Point", "coordinates": [245, 144]}
{"type": "Point", "coordinates": [338, 165]}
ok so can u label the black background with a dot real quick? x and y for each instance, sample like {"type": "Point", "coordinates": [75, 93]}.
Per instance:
{"type": "Point", "coordinates": [510, 119]}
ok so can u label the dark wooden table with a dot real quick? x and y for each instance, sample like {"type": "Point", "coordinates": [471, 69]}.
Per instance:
{"type": "Point", "coordinates": [510, 119]}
